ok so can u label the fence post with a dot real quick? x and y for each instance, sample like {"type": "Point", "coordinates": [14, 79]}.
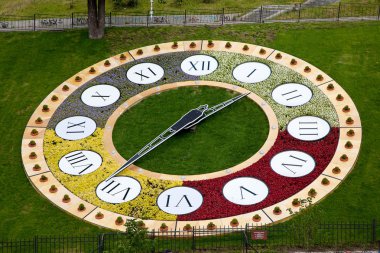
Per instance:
{"type": "Point", "coordinates": [72, 20]}
{"type": "Point", "coordinates": [299, 12]}
{"type": "Point", "coordinates": [261, 14]}
{"type": "Point", "coordinates": [35, 244]}
{"type": "Point", "coordinates": [185, 17]}
{"type": "Point", "coordinates": [362, 14]}
{"type": "Point", "coordinates": [339, 11]}
{"type": "Point", "coordinates": [378, 14]}
{"type": "Point", "coordinates": [153, 237]}
{"type": "Point", "coordinates": [110, 19]}
{"type": "Point", "coordinates": [147, 19]}
{"type": "Point", "coordinates": [246, 238]}
{"type": "Point", "coordinates": [222, 16]}
{"type": "Point", "coordinates": [373, 230]}
{"type": "Point", "coordinates": [193, 240]}
{"type": "Point", "coordinates": [100, 243]}
{"type": "Point", "coordinates": [34, 22]}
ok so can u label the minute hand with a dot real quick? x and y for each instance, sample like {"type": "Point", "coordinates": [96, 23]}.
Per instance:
{"type": "Point", "coordinates": [188, 118]}
{"type": "Point", "coordinates": [217, 108]}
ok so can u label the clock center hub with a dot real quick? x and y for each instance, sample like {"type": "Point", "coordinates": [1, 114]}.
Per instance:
{"type": "Point", "coordinates": [231, 137]}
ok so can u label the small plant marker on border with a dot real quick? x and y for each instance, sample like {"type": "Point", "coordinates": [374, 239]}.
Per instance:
{"type": "Point", "coordinates": [81, 207]}
{"type": "Point", "coordinates": [256, 218]}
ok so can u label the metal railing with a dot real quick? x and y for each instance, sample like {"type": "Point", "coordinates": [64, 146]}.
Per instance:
{"type": "Point", "coordinates": [362, 235]}
{"type": "Point", "coordinates": [267, 13]}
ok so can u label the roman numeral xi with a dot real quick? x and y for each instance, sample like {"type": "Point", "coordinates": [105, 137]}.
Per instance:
{"type": "Point", "coordinates": [144, 75]}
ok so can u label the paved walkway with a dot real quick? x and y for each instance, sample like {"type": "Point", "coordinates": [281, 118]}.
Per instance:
{"type": "Point", "coordinates": [271, 11]}
{"type": "Point", "coordinates": [316, 3]}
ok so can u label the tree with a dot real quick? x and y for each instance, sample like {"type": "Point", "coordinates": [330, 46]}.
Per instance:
{"type": "Point", "coordinates": [136, 239]}
{"type": "Point", "coordinates": [96, 18]}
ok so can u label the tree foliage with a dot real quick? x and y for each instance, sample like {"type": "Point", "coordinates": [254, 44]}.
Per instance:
{"type": "Point", "coordinates": [136, 239]}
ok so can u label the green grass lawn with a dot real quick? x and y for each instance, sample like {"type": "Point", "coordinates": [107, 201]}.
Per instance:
{"type": "Point", "coordinates": [65, 7]}
{"type": "Point", "coordinates": [33, 64]}
{"type": "Point", "coordinates": [223, 140]}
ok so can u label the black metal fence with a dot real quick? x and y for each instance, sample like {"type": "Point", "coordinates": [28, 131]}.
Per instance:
{"type": "Point", "coordinates": [340, 12]}
{"type": "Point", "coordinates": [358, 235]}
{"type": "Point", "coordinates": [268, 13]}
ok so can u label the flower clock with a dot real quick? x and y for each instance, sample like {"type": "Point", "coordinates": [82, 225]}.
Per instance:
{"type": "Point", "coordinates": [73, 155]}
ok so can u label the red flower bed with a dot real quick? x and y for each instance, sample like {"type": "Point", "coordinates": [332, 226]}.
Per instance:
{"type": "Point", "coordinates": [216, 206]}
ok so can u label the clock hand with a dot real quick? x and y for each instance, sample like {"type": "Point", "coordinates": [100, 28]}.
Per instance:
{"type": "Point", "coordinates": [210, 111]}
{"type": "Point", "coordinates": [190, 117]}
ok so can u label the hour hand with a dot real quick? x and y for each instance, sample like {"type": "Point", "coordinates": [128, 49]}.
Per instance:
{"type": "Point", "coordinates": [187, 119]}
{"type": "Point", "coordinates": [210, 111]}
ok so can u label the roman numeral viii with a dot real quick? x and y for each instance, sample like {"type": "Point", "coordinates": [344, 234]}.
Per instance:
{"type": "Point", "coordinates": [79, 161]}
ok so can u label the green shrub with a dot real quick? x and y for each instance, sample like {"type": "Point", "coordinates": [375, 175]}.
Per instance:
{"type": "Point", "coordinates": [325, 181]}
{"type": "Point", "coordinates": [234, 221]}
{"type": "Point", "coordinates": [81, 207]}
{"type": "Point", "coordinates": [277, 209]}
{"type": "Point", "coordinates": [136, 239]}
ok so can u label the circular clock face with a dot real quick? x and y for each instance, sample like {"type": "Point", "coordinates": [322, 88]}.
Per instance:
{"type": "Point", "coordinates": [313, 140]}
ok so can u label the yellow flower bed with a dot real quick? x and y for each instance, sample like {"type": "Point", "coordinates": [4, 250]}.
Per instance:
{"type": "Point", "coordinates": [143, 207]}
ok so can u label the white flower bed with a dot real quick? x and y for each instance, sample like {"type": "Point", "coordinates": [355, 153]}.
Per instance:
{"type": "Point", "coordinates": [319, 105]}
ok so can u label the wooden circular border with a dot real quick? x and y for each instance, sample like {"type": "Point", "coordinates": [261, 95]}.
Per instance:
{"type": "Point", "coordinates": [236, 47]}
{"type": "Point", "coordinates": [272, 135]}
